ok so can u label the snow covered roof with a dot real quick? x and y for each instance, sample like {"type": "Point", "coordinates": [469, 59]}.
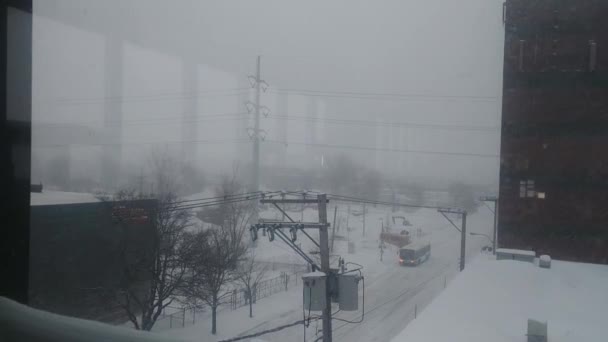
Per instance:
{"type": "Point", "coordinates": [61, 197]}
{"type": "Point", "coordinates": [515, 251]}
{"type": "Point", "coordinates": [416, 245]}
{"type": "Point", "coordinates": [493, 299]}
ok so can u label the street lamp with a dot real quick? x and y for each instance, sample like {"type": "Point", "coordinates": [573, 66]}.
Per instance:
{"type": "Point", "coordinates": [495, 200]}
{"type": "Point", "coordinates": [485, 235]}
{"type": "Point", "coordinates": [462, 229]}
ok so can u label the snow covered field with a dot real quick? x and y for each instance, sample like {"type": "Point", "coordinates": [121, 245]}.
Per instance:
{"type": "Point", "coordinates": [392, 295]}
{"type": "Point", "coordinates": [492, 301]}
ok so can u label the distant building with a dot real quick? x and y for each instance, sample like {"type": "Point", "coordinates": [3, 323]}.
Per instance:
{"type": "Point", "coordinates": [554, 145]}
{"type": "Point", "coordinates": [77, 247]}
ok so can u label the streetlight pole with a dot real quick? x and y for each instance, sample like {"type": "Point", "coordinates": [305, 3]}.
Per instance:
{"type": "Point", "coordinates": [462, 229]}
{"type": "Point", "coordinates": [484, 235]}
{"type": "Point", "coordinates": [495, 200]}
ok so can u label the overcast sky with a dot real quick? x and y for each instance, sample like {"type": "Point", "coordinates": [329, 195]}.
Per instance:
{"type": "Point", "coordinates": [412, 67]}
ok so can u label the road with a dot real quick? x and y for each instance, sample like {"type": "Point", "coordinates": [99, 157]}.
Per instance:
{"type": "Point", "coordinates": [392, 293]}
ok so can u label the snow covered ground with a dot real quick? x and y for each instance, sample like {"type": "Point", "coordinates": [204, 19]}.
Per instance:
{"type": "Point", "coordinates": [393, 294]}
{"type": "Point", "coordinates": [492, 301]}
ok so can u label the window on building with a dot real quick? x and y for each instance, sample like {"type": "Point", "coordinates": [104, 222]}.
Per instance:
{"type": "Point", "coordinates": [526, 189]}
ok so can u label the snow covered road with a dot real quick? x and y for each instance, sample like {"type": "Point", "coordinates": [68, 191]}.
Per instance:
{"type": "Point", "coordinates": [392, 295]}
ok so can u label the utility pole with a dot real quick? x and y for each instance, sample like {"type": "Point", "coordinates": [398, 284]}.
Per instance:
{"type": "Point", "coordinates": [333, 229]}
{"type": "Point", "coordinates": [494, 241]}
{"type": "Point", "coordinates": [463, 240]}
{"type": "Point", "coordinates": [256, 134]}
{"type": "Point", "coordinates": [495, 200]}
{"type": "Point", "coordinates": [324, 251]}
{"type": "Point", "coordinates": [462, 230]}
{"type": "Point", "coordinates": [283, 197]}
{"type": "Point", "coordinates": [274, 229]}
{"type": "Point", "coordinates": [363, 219]}
{"type": "Point", "coordinates": [347, 217]}
{"type": "Point", "coordinates": [302, 215]}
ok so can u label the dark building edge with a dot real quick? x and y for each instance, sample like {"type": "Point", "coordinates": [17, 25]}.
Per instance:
{"type": "Point", "coordinates": [15, 133]}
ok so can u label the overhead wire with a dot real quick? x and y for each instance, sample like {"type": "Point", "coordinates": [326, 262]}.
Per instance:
{"type": "Point", "coordinates": [205, 202]}
{"type": "Point", "coordinates": [230, 196]}
{"type": "Point", "coordinates": [369, 123]}
{"type": "Point", "coordinates": [366, 148]}
{"type": "Point", "coordinates": [146, 98]}
{"type": "Point", "coordinates": [369, 201]}
{"type": "Point", "coordinates": [201, 202]}
{"type": "Point", "coordinates": [173, 119]}
{"type": "Point", "coordinates": [159, 142]}
{"type": "Point", "coordinates": [264, 332]}
{"type": "Point", "coordinates": [380, 95]}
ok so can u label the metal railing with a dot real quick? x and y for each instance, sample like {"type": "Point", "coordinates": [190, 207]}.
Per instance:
{"type": "Point", "coordinates": [180, 317]}
{"type": "Point", "coordinates": [240, 297]}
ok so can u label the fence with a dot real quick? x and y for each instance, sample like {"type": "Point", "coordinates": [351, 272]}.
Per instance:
{"type": "Point", "coordinates": [179, 317]}
{"type": "Point", "coordinates": [266, 288]}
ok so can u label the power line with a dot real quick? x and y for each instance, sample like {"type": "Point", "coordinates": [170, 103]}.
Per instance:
{"type": "Point", "coordinates": [242, 115]}
{"type": "Point", "coordinates": [384, 96]}
{"type": "Point", "coordinates": [176, 206]}
{"type": "Point", "coordinates": [387, 124]}
{"type": "Point", "coordinates": [365, 148]}
{"type": "Point", "coordinates": [146, 98]}
{"type": "Point", "coordinates": [369, 201]}
{"type": "Point", "coordinates": [226, 196]}
{"type": "Point", "coordinates": [218, 141]}
{"type": "Point", "coordinates": [177, 119]}
{"type": "Point", "coordinates": [264, 332]}
{"type": "Point", "coordinates": [226, 200]}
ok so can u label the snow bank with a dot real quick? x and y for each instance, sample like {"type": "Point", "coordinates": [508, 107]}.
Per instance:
{"type": "Point", "coordinates": [492, 300]}
{"type": "Point", "coordinates": [21, 323]}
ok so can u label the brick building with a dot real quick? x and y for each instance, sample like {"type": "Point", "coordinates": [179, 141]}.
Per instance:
{"type": "Point", "coordinates": [77, 248]}
{"type": "Point", "coordinates": [554, 144]}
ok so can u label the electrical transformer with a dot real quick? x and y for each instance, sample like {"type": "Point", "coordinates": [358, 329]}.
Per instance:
{"type": "Point", "coordinates": [348, 289]}
{"type": "Point", "coordinates": [314, 291]}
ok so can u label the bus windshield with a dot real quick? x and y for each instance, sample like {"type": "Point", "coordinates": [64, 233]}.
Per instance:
{"type": "Point", "coordinates": [407, 254]}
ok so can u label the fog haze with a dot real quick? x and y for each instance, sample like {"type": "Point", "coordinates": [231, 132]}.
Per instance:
{"type": "Point", "coordinates": [408, 88]}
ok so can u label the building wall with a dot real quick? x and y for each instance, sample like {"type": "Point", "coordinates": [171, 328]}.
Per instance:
{"type": "Point", "coordinates": [554, 144]}
{"type": "Point", "coordinates": [77, 255]}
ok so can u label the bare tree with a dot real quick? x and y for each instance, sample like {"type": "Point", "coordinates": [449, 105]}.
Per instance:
{"type": "Point", "coordinates": [152, 276]}
{"type": "Point", "coordinates": [249, 273]}
{"type": "Point", "coordinates": [220, 247]}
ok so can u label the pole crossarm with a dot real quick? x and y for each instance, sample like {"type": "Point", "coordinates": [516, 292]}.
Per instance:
{"type": "Point", "coordinates": [488, 198]}
{"type": "Point", "coordinates": [451, 211]}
